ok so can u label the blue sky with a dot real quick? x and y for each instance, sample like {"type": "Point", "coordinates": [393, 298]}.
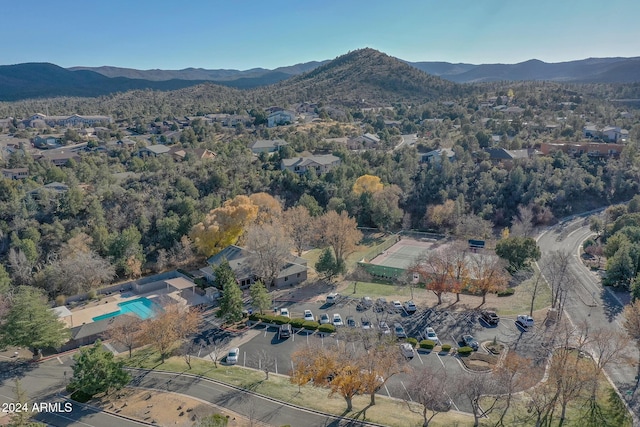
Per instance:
{"type": "Point", "coordinates": [243, 34]}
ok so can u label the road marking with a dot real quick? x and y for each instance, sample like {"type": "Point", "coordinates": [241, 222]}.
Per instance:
{"type": "Point", "coordinates": [452, 402]}
{"type": "Point", "coordinates": [276, 362]}
{"type": "Point", "coordinates": [385, 387]}
{"type": "Point", "coordinates": [440, 359]}
{"type": "Point", "coordinates": [56, 414]}
{"type": "Point", "coordinates": [244, 358]}
{"type": "Point", "coordinates": [419, 357]}
{"type": "Point", "coordinates": [60, 360]}
{"type": "Point", "coordinates": [405, 389]}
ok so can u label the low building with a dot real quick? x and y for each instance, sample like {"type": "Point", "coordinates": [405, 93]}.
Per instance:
{"type": "Point", "coordinates": [180, 153]}
{"type": "Point", "coordinates": [153, 150]}
{"type": "Point", "coordinates": [318, 164]}
{"type": "Point", "coordinates": [58, 158]}
{"type": "Point", "coordinates": [15, 173]}
{"type": "Point", "coordinates": [363, 142]}
{"type": "Point", "coordinates": [292, 272]}
{"type": "Point", "coordinates": [278, 118]}
{"type": "Point", "coordinates": [436, 156]}
{"type": "Point", "coordinates": [267, 146]}
{"type": "Point", "coordinates": [46, 142]}
{"type": "Point", "coordinates": [575, 149]}
{"type": "Point", "coordinates": [74, 120]}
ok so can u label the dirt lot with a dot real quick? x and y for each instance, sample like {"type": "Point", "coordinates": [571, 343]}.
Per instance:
{"type": "Point", "coordinates": [165, 408]}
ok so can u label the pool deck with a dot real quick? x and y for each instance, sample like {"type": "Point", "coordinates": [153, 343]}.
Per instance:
{"type": "Point", "coordinates": [109, 304]}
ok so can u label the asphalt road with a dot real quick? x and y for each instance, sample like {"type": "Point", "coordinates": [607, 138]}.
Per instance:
{"type": "Point", "coordinates": [589, 301]}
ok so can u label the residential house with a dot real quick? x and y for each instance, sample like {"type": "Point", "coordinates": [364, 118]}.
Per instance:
{"type": "Point", "coordinates": [153, 150]}
{"type": "Point", "coordinates": [267, 146]}
{"type": "Point", "coordinates": [591, 131]}
{"type": "Point", "coordinates": [15, 173]}
{"type": "Point", "coordinates": [366, 141]}
{"type": "Point", "coordinates": [58, 157]}
{"type": "Point", "coordinates": [318, 164]}
{"type": "Point", "coordinates": [436, 156]}
{"type": "Point", "coordinates": [283, 117]}
{"type": "Point", "coordinates": [74, 120]}
{"type": "Point", "coordinates": [46, 142]}
{"type": "Point", "coordinates": [614, 134]}
{"type": "Point", "coordinates": [56, 187]}
{"type": "Point", "coordinates": [514, 111]}
{"type": "Point", "coordinates": [293, 271]}
{"type": "Point", "coordinates": [180, 153]}
{"type": "Point", "coordinates": [575, 149]}
{"type": "Point", "coordinates": [507, 157]}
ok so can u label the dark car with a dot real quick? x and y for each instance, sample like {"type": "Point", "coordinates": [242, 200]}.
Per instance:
{"type": "Point", "coordinates": [490, 317]}
{"type": "Point", "coordinates": [470, 341]}
{"type": "Point", "coordinates": [351, 322]}
{"type": "Point", "coordinates": [284, 331]}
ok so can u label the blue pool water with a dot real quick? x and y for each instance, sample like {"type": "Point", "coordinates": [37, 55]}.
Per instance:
{"type": "Point", "coordinates": [144, 308]}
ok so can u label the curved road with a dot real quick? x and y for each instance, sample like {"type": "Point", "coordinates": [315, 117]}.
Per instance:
{"type": "Point", "coordinates": [43, 381]}
{"type": "Point", "coordinates": [589, 301]}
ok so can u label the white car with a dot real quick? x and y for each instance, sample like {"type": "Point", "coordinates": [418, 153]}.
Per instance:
{"type": "Point", "coordinates": [384, 328]}
{"type": "Point", "coordinates": [431, 335]}
{"type": "Point", "coordinates": [407, 350]}
{"type": "Point", "coordinates": [397, 305]}
{"type": "Point", "coordinates": [324, 319]}
{"type": "Point", "coordinates": [410, 307]}
{"type": "Point", "coordinates": [308, 315]}
{"type": "Point", "coordinates": [232, 357]}
{"type": "Point", "coordinates": [284, 312]}
{"type": "Point", "coordinates": [337, 320]}
{"type": "Point", "coordinates": [525, 321]}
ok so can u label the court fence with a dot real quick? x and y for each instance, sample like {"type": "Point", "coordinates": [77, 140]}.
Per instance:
{"type": "Point", "coordinates": [383, 271]}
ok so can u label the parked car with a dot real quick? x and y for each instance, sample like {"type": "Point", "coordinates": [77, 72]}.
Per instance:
{"type": "Point", "coordinates": [490, 317]}
{"type": "Point", "coordinates": [365, 303]}
{"type": "Point", "coordinates": [324, 319]}
{"type": "Point", "coordinates": [332, 298]}
{"type": "Point", "coordinates": [470, 341]}
{"type": "Point", "coordinates": [365, 323]}
{"type": "Point", "coordinates": [284, 331]}
{"type": "Point", "coordinates": [430, 333]}
{"type": "Point", "coordinates": [399, 331]}
{"type": "Point", "coordinates": [384, 328]}
{"type": "Point", "coordinates": [380, 305]}
{"type": "Point", "coordinates": [410, 307]}
{"type": "Point", "coordinates": [232, 357]}
{"type": "Point", "coordinates": [351, 322]}
{"type": "Point", "coordinates": [525, 321]}
{"type": "Point", "coordinates": [397, 305]}
{"type": "Point", "coordinates": [337, 320]}
{"type": "Point", "coordinates": [407, 350]}
{"type": "Point", "coordinates": [308, 315]}
{"type": "Point", "coordinates": [284, 312]}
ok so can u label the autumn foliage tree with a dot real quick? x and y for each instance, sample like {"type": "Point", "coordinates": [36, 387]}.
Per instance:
{"type": "Point", "coordinates": [298, 224]}
{"type": "Point", "coordinates": [339, 231]}
{"type": "Point", "coordinates": [126, 331]}
{"type": "Point", "coordinates": [269, 248]}
{"type": "Point", "coordinates": [367, 184]}
{"type": "Point", "coordinates": [488, 274]}
{"type": "Point", "coordinates": [437, 269]}
{"type": "Point", "coordinates": [167, 328]}
{"type": "Point", "coordinates": [269, 208]}
{"type": "Point", "coordinates": [223, 226]}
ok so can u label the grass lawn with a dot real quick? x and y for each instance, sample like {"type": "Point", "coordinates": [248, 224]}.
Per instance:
{"type": "Point", "coordinates": [368, 244]}
{"type": "Point", "coordinates": [520, 301]}
{"type": "Point", "coordinates": [378, 289]}
{"type": "Point", "coordinates": [387, 411]}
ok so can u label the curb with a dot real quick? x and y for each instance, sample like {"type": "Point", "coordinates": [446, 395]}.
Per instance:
{"type": "Point", "coordinates": [95, 408]}
{"type": "Point", "coordinates": [261, 396]}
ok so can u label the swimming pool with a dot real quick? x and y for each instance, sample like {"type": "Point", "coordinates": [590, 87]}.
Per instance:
{"type": "Point", "coordinates": [144, 308]}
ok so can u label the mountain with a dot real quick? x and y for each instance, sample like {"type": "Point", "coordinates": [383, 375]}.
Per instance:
{"type": "Point", "coordinates": [235, 78]}
{"type": "Point", "coordinates": [599, 70]}
{"type": "Point", "coordinates": [42, 80]}
{"type": "Point", "coordinates": [361, 77]}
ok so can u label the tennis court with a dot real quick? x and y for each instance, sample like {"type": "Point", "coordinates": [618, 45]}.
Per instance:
{"type": "Point", "coordinates": [404, 253]}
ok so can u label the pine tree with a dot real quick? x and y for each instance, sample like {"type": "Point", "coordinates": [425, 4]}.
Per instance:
{"type": "Point", "coordinates": [260, 298]}
{"type": "Point", "coordinates": [95, 371]}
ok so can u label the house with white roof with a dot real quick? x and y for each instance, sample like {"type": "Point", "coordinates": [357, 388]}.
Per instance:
{"type": "Point", "coordinates": [318, 164]}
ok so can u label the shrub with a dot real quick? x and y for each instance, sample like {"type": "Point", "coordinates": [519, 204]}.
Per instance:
{"type": "Point", "coordinates": [280, 320]}
{"type": "Point", "coordinates": [254, 317]}
{"type": "Point", "coordinates": [446, 348]}
{"type": "Point", "coordinates": [465, 351]}
{"type": "Point", "coordinates": [310, 325]}
{"type": "Point", "coordinates": [428, 344]}
{"type": "Point", "coordinates": [297, 323]}
{"type": "Point", "coordinates": [327, 328]}
{"type": "Point", "coordinates": [80, 396]}
{"type": "Point", "coordinates": [506, 292]}
{"type": "Point", "coordinates": [92, 294]}
{"type": "Point", "coordinates": [61, 300]}
{"type": "Point", "coordinates": [412, 341]}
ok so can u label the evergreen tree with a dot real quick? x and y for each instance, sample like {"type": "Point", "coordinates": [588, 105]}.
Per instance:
{"type": "Point", "coordinates": [260, 298]}
{"type": "Point", "coordinates": [231, 304]}
{"type": "Point", "coordinates": [5, 281]}
{"type": "Point", "coordinates": [30, 323]}
{"type": "Point", "coordinates": [95, 371]}
{"type": "Point", "coordinates": [327, 266]}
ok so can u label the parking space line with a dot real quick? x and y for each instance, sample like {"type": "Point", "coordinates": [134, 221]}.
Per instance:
{"type": "Point", "coordinates": [420, 358]}
{"type": "Point", "coordinates": [276, 363]}
{"type": "Point", "coordinates": [440, 359]}
{"type": "Point", "coordinates": [385, 387]}
{"type": "Point", "coordinates": [405, 389]}
{"type": "Point", "coordinates": [452, 402]}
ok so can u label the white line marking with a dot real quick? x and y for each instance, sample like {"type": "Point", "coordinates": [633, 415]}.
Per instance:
{"type": "Point", "coordinates": [418, 353]}
{"type": "Point", "coordinates": [405, 389]}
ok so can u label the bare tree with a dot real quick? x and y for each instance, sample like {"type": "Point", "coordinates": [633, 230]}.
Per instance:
{"type": "Point", "coordinates": [20, 266]}
{"type": "Point", "coordinates": [632, 326]}
{"type": "Point", "coordinates": [555, 268]}
{"type": "Point", "coordinates": [378, 364]}
{"type": "Point", "coordinates": [126, 331]}
{"type": "Point", "coordinates": [475, 386]}
{"type": "Point", "coordinates": [428, 388]}
{"type": "Point", "coordinates": [175, 323]}
{"type": "Point", "coordinates": [269, 248]}
{"type": "Point", "coordinates": [523, 222]}
{"type": "Point", "coordinates": [217, 350]}
{"type": "Point", "coordinates": [298, 224]}
{"type": "Point", "coordinates": [266, 362]}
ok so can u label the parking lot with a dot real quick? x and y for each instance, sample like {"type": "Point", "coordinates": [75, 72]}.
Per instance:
{"type": "Point", "coordinates": [264, 347]}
